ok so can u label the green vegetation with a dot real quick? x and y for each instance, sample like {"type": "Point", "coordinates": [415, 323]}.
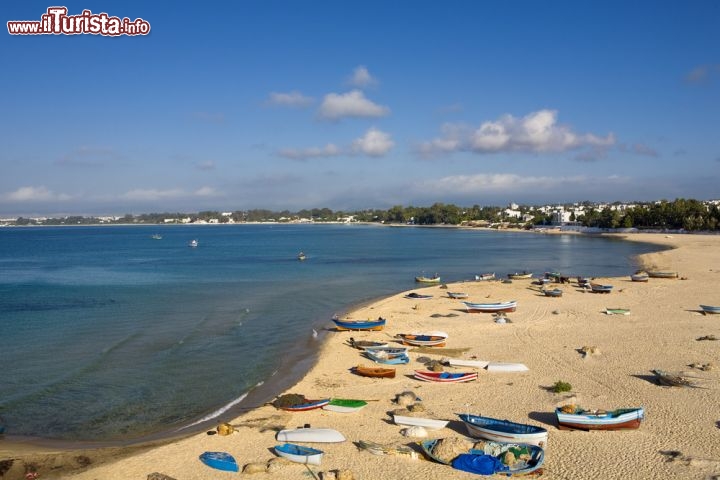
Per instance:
{"type": "Point", "coordinates": [561, 386]}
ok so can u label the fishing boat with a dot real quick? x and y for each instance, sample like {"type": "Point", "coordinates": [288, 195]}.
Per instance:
{"type": "Point", "coordinates": [599, 288]}
{"type": "Point", "coordinates": [374, 372]}
{"type": "Point", "coordinates": [529, 458]}
{"type": "Point", "coordinates": [519, 275]}
{"type": "Point", "coordinates": [417, 296]}
{"type": "Point", "coordinates": [423, 279]}
{"type": "Point", "coordinates": [310, 435]}
{"type": "Point", "coordinates": [617, 311]}
{"type": "Point", "coordinates": [193, 243]}
{"type": "Point", "coordinates": [639, 277]}
{"type": "Point", "coordinates": [308, 405]}
{"type": "Point", "coordinates": [555, 292]}
{"type": "Point", "coordinates": [220, 461]}
{"type": "Point", "coordinates": [457, 295]}
{"type": "Point", "coordinates": [572, 417]}
{"type": "Point", "coordinates": [428, 339]}
{"type": "Point", "coordinates": [483, 277]}
{"type": "Point", "coordinates": [359, 324]}
{"type": "Point", "coordinates": [510, 306]}
{"type": "Point", "coordinates": [387, 350]}
{"type": "Point", "coordinates": [673, 379]}
{"type": "Point", "coordinates": [385, 359]}
{"type": "Point", "coordinates": [299, 453]}
{"type": "Point", "coordinates": [445, 377]}
{"type": "Point", "coordinates": [662, 274]}
{"type": "Point", "coordinates": [301, 256]}
{"type": "Point", "coordinates": [583, 282]}
{"type": "Point", "coordinates": [506, 367]}
{"type": "Point", "coordinates": [345, 405]}
{"type": "Point", "coordinates": [428, 423]}
{"type": "Point", "coordinates": [363, 344]}
{"type": "Point", "coordinates": [156, 236]}
{"type": "Point", "coordinates": [709, 309]}
{"type": "Point", "coordinates": [504, 431]}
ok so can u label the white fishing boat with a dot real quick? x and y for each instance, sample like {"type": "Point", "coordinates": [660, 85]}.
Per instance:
{"type": "Point", "coordinates": [299, 453]}
{"type": "Point", "coordinates": [193, 243]}
{"type": "Point", "coordinates": [461, 362]}
{"type": "Point", "coordinates": [310, 435]}
{"type": "Point", "coordinates": [428, 423]}
{"type": "Point", "coordinates": [506, 367]}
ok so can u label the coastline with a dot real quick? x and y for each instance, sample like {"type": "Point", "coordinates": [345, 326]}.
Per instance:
{"type": "Point", "coordinates": [523, 396]}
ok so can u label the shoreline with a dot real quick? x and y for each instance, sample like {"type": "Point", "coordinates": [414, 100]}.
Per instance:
{"type": "Point", "coordinates": [112, 463]}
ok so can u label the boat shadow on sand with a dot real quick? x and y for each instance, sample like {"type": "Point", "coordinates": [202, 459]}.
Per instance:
{"type": "Point", "coordinates": [547, 418]}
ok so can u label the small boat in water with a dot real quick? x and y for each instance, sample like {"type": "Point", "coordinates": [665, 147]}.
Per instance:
{"type": "Point", "coordinates": [446, 377]}
{"type": "Point", "coordinates": [220, 461]}
{"type": "Point", "coordinates": [504, 430]}
{"type": "Point", "coordinates": [572, 417]}
{"type": "Point", "coordinates": [299, 453]}
{"type": "Point", "coordinates": [301, 256]}
{"type": "Point", "coordinates": [709, 309]}
{"type": "Point", "coordinates": [156, 236]}
{"type": "Point", "coordinates": [374, 372]}
{"type": "Point", "coordinates": [193, 243]}
{"type": "Point", "coordinates": [359, 324]}
{"type": "Point", "coordinates": [434, 279]}
{"type": "Point", "coordinates": [426, 339]}
{"type": "Point", "coordinates": [510, 306]}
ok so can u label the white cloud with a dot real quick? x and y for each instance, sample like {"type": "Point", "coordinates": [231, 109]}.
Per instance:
{"type": "Point", "coordinates": [152, 194]}
{"type": "Point", "coordinates": [374, 143]}
{"type": "Point", "coordinates": [206, 192]}
{"type": "Point", "coordinates": [329, 150]}
{"type": "Point", "coordinates": [535, 132]}
{"type": "Point", "coordinates": [352, 104]}
{"type": "Point", "coordinates": [34, 194]}
{"type": "Point", "coordinates": [206, 165]}
{"type": "Point", "coordinates": [485, 183]}
{"type": "Point", "coordinates": [361, 77]}
{"type": "Point", "coordinates": [290, 99]}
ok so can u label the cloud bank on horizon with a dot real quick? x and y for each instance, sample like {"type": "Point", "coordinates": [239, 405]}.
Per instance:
{"type": "Point", "coordinates": [223, 120]}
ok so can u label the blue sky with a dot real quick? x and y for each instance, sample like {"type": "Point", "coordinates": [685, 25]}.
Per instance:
{"type": "Point", "coordinates": [349, 105]}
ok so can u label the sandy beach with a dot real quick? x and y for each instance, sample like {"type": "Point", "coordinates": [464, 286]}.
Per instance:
{"type": "Point", "coordinates": [679, 438]}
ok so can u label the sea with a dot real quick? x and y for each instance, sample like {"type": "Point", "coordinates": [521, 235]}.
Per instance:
{"type": "Point", "coordinates": [109, 334]}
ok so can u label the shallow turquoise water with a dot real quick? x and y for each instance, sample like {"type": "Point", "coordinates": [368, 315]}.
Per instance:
{"type": "Point", "coordinates": [108, 334]}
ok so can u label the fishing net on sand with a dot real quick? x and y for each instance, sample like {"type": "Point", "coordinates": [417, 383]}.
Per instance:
{"type": "Point", "coordinates": [289, 400]}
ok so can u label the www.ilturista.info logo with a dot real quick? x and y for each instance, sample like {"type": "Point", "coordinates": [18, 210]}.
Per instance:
{"type": "Point", "coordinates": [57, 22]}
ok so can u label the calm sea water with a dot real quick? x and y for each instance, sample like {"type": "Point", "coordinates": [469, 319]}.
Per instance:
{"type": "Point", "coordinates": [110, 335]}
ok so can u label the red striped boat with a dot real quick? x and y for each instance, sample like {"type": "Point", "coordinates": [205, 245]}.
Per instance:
{"type": "Point", "coordinates": [446, 377]}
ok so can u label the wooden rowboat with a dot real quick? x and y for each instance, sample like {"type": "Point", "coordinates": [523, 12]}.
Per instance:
{"type": "Point", "coordinates": [617, 311]}
{"type": "Point", "coordinates": [446, 377]}
{"type": "Point", "coordinates": [639, 277]}
{"type": "Point", "coordinates": [504, 431]}
{"type": "Point", "coordinates": [662, 274]}
{"type": "Point", "coordinates": [310, 435]}
{"type": "Point", "coordinates": [387, 359]}
{"type": "Point", "coordinates": [345, 405]}
{"type": "Point", "coordinates": [363, 344]}
{"type": "Point", "coordinates": [510, 306]}
{"type": "Point", "coordinates": [599, 288]}
{"type": "Point", "coordinates": [429, 339]}
{"type": "Point", "coordinates": [555, 292]}
{"type": "Point", "coordinates": [571, 417]}
{"type": "Point", "coordinates": [428, 423]}
{"type": "Point", "coordinates": [374, 372]}
{"type": "Point", "coordinates": [308, 405]}
{"type": "Point", "coordinates": [519, 275]}
{"type": "Point", "coordinates": [457, 295]}
{"type": "Point", "coordinates": [299, 453]}
{"type": "Point", "coordinates": [421, 279]}
{"type": "Point", "coordinates": [359, 324]}
{"type": "Point", "coordinates": [485, 277]}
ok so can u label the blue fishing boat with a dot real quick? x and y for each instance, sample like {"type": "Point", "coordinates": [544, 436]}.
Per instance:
{"type": "Point", "coordinates": [299, 453]}
{"type": "Point", "coordinates": [599, 288]}
{"type": "Point", "coordinates": [489, 459]}
{"type": "Point", "coordinates": [571, 417]}
{"type": "Point", "coordinates": [387, 359]}
{"type": "Point", "coordinates": [504, 431]}
{"type": "Point", "coordinates": [359, 324]}
{"type": "Point", "coordinates": [220, 461]}
{"type": "Point", "coordinates": [555, 292]}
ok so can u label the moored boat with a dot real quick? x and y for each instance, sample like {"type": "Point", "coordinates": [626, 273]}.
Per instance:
{"type": "Point", "coordinates": [572, 417]}
{"type": "Point", "coordinates": [193, 243]}
{"type": "Point", "coordinates": [301, 256]}
{"type": "Point", "coordinates": [519, 275]}
{"type": "Point", "coordinates": [504, 431]}
{"type": "Point", "coordinates": [433, 279]}
{"type": "Point", "coordinates": [445, 377]}
{"type": "Point", "coordinates": [374, 372]}
{"type": "Point", "coordinates": [709, 309]}
{"type": "Point", "coordinates": [425, 339]}
{"type": "Point", "coordinates": [220, 461]}
{"type": "Point", "coordinates": [472, 307]}
{"type": "Point", "coordinates": [359, 324]}
{"type": "Point", "coordinates": [485, 276]}
{"type": "Point", "coordinates": [299, 453]}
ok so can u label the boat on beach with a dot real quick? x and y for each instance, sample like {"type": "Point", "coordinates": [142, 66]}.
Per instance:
{"type": "Point", "coordinates": [387, 359]}
{"type": "Point", "coordinates": [345, 405]}
{"type": "Point", "coordinates": [506, 367]}
{"type": "Point", "coordinates": [445, 377]}
{"type": "Point", "coordinates": [428, 423]}
{"type": "Point", "coordinates": [363, 344]}
{"type": "Point", "coordinates": [457, 295]}
{"type": "Point", "coordinates": [472, 307]}
{"type": "Point", "coordinates": [519, 275]}
{"type": "Point", "coordinates": [425, 339]}
{"type": "Point", "coordinates": [299, 453]}
{"type": "Point", "coordinates": [572, 417]}
{"type": "Point", "coordinates": [374, 372]}
{"type": "Point", "coordinates": [483, 277]}
{"type": "Point", "coordinates": [599, 288]}
{"type": "Point", "coordinates": [220, 461]}
{"type": "Point", "coordinates": [528, 458]}
{"type": "Point", "coordinates": [417, 296]}
{"type": "Point", "coordinates": [504, 431]}
{"type": "Point", "coordinates": [640, 277]}
{"type": "Point", "coordinates": [461, 362]}
{"type": "Point", "coordinates": [305, 406]}
{"type": "Point", "coordinates": [555, 292]}
{"type": "Point", "coordinates": [310, 435]}
{"type": "Point", "coordinates": [358, 324]}
{"type": "Point", "coordinates": [617, 311]}
{"type": "Point", "coordinates": [387, 350]}
{"type": "Point", "coordinates": [709, 309]}
{"type": "Point", "coordinates": [662, 274]}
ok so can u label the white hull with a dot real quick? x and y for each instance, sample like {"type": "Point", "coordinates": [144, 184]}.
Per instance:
{"type": "Point", "coordinates": [539, 439]}
{"type": "Point", "coordinates": [429, 423]}
{"type": "Point", "coordinates": [341, 409]}
{"type": "Point", "coordinates": [310, 435]}
{"type": "Point", "coordinates": [459, 362]}
{"type": "Point", "coordinates": [305, 459]}
{"type": "Point", "coordinates": [506, 367]}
